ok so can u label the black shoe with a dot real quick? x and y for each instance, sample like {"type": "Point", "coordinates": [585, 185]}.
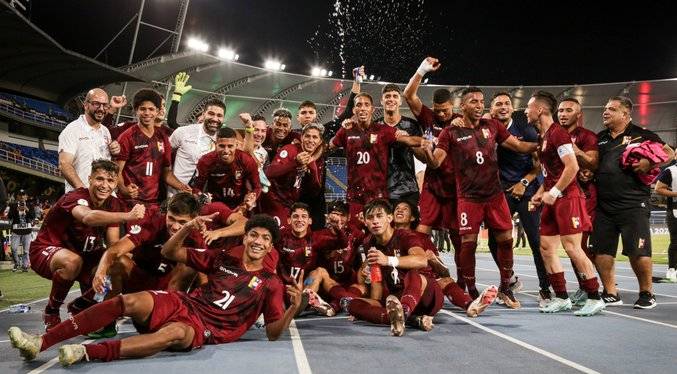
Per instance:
{"type": "Point", "coordinates": [611, 300]}
{"type": "Point", "coordinates": [646, 301]}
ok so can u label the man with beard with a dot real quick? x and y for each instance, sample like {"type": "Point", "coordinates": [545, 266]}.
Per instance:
{"type": "Point", "coordinates": [145, 155]}
{"type": "Point", "coordinates": [255, 128]}
{"type": "Point", "coordinates": [85, 140]}
{"type": "Point", "coordinates": [71, 240]}
{"type": "Point", "coordinates": [194, 141]}
{"type": "Point", "coordinates": [230, 175]}
{"type": "Point", "coordinates": [294, 172]}
{"type": "Point", "coordinates": [280, 134]}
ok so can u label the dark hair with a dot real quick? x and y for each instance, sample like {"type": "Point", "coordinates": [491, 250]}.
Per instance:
{"type": "Point", "coordinates": [146, 94]}
{"type": "Point", "coordinates": [282, 112]}
{"type": "Point", "coordinates": [625, 102]}
{"type": "Point", "coordinates": [299, 205]}
{"type": "Point", "coordinates": [266, 222]}
{"type": "Point", "coordinates": [215, 102]}
{"type": "Point", "coordinates": [338, 206]}
{"type": "Point", "coordinates": [572, 99]}
{"type": "Point", "coordinates": [226, 132]}
{"type": "Point", "coordinates": [184, 203]}
{"type": "Point", "coordinates": [546, 98]}
{"type": "Point", "coordinates": [441, 96]}
{"type": "Point", "coordinates": [414, 211]}
{"type": "Point", "coordinates": [501, 93]}
{"type": "Point", "coordinates": [391, 87]}
{"type": "Point", "coordinates": [364, 94]}
{"type": "Point", "coordinates": [105, 165]}
{"type": "Point", "coordinates": [307, 103]}
{"type": "Point", "coordinates": [469, 90]}
{"type": "Point", "coordinates": [378, 203]}
{"type": "Point", "coordinates": [258, 117]}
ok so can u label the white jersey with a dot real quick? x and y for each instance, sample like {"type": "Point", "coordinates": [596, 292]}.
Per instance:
{"type": "Point", "coordinates": [190, 142]}
{"type": "Point", "coordinates": [86, 143]}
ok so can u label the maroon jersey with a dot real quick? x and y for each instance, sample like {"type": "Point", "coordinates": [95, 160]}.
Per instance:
{"type": "Point", "coordinates": [584, 139]}
{"type": "Point", "coordinates": [269, 262]}
{"type": "Point", "coordinates": [427, 245]}
{"type": "Point", "coordinates": [220, 221]}
{"type": "Point", "coordinates": [367, 156]}
{"type": "Point", "coordinates": [61, 229]}
{"type": "Point", "coordinates": [473, 154]}
{"type": "Point", "coordinates": [399, 245]}
{"type": "Point", "coordinates": [296, 254]}
{"type": "Point", "coordinates": [287, 181]}
{"type": "Point", "coordinates": [145, 160]}
{"type": "Point", "coordinates": [233, 297]}
{"type": "Point", "coordinates": [441, 181]}
{"type": "Point", "coordinates": [148, 236]}
{"type": "Point", "coordinates": [337, 255]}
{"type": "Point", "coordinates": [228, 183]}
{"type": "Point", "coordinates": [550, 146]}
{"type": "Point", "coordinates": [273, 148]}
{"type": "Point", "coordinates": [116, 130]}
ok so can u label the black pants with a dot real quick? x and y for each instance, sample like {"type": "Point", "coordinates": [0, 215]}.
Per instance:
{"type": "Point", "coordinates": [672, 249]}
{"type": "Point", "coordinates": [531, 221]}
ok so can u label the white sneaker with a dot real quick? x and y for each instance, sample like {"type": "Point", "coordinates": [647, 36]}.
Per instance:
{"type": "Point", "coordinates": [579, 298]}
{"type": "Point", "coordinates": [396, 315]}
{"type": "Point", "coordinates": [556, 305]}
{"type": "Point", "coordinates": [671, 275]}
{"type": "Point", "coordinates": [72, 353]}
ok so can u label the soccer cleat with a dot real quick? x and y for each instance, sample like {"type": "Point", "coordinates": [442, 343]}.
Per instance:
{"type": "Point", "coordinates": [544, 297]}
{"type": "Point", "coordinates": [72, 353]}
{"type": "Point", "coordinates": [516, 284]}
{"type": "Point", "coordinates": [396, 315]}
{"type": "Point", "coordinates": [590, 308]}
{"type": "Point", "coordinates": [556, 305]}
{"type": "Point", "coordinates": [646, 301]}
{"type": "Point", "coordinates": [509, 299]}
{"type": "Point", "coordinates": [50, 320]}
{"type": "Point", "coordinates": [611, 300]}
{"type": "Point", "coordinates": [485, 299]}
{"type": "Point", "coordinates": [28, 344]}
{"type": "Point", "coordinates": [579, 298]}
{"type": "Point", "coordinates": [424, 323]}
{"type": "Point", "coordinates": [108, 331]}
{"type": "Point", "coordinates": [671, 275]}
{"type": "Point", "coordinates": [318, 304]}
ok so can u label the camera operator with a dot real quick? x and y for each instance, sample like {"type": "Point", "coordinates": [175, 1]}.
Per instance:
{"type": "Point", "coordinates": [21, 216]}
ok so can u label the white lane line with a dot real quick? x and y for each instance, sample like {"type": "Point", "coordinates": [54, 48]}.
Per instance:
{"type": "Point", "coordinates": [299, 353]}
{"type": "Point", "coordinates": [37, 301]}
{"type": "Point", "coordinates": [320, 319]}
{"type": "Point", "coordinates": [52, 362]}
{"type": "Point", "coordinates": [523, 344]}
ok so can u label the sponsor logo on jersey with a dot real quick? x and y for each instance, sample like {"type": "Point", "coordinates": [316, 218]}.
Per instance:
{"type": "Point", "coordinates": [83, 138]}
{"type": "Point", "coordinates": [255, 283]}
{"type": "Point", "coordinates": [135, 229]}
{"type": "Point", "coordinates": [288, 250]}
{"type": "Point", "coordinates": [354, 137]}
{"type": "Point", "coordinates": [83, 202]}
{"type": "Point", "coordinates": [141, 146]}
{"type": "Point", "coordinates": [228, 271]}
{"type": "Point", "coordinates": [284, 153]}
{"type": "Point", "coordinates": [464, 138]}
{"type": "Point", "coordinates": [217, 174]}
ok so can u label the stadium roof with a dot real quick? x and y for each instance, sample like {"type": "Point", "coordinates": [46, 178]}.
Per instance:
{"type": "Point", "coordinates": [32, 63]}
{"type": "Point", "coordinates": [257, 90]}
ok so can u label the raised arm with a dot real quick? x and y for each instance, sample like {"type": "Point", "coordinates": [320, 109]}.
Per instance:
{"type": "Point", "coordinates": [96, 217]}
{"type": "Point", "coordinates": [411, 91]}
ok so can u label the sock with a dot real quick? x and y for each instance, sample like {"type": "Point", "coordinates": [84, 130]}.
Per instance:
{"type": "Point", "coordinates": [457, 296]}
{"type": "Point", "coordinates": [106, 351]}
{"type": "Point", "coordinates": [559, 285]}
{"type": "Point", "coordinates": [456, 242]}
{"type": "Point", "coordinates": [505, 262]}
{"type": "Point", "coordinates": [411, 294]}
{"type": "Point", "coordinates": [91, 319]}
{"type": "Point", "coordinates": [58, 293]}
{"type": "Point", "coordinates": [467, 264]}
{"type": "Point", "coordinates": [367, 312]}
{"type": "Point", "coordinates": [591, 286]}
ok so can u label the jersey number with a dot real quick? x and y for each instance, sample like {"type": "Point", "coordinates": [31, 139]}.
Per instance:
{"type": "Point", "coordinates": [89, 244]}
{"type": "Point", "coordinates": [338, 267]}
{"type": "Point", "coordinates": [294, 272]}
{"type": "Point", "coordinates": [225, 301]}
{"type": "Point", "coordinates": [228, 192]}
{"type": "Point", "coordinates": [464, 219]}
{"type": "Point", "coordinates": [149, 168]}
{"type": "Point", "coordinates": [162, 268]}
{"type": "Point", "coordinates": [479, 157]}
{"type": "Point", "coordinates": [363, 158]}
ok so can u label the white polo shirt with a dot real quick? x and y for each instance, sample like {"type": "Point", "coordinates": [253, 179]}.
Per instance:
{"type": "Point", "coordinates": [190, 142]}
{"type": "Point", "coordinates": [86, 144]}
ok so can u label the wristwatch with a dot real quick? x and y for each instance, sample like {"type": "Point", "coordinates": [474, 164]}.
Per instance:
{"type": "Point", "coordinates": [525, 182]}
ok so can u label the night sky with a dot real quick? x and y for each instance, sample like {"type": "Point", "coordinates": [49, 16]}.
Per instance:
{"type": "Point", "coordinates": [480, 42]}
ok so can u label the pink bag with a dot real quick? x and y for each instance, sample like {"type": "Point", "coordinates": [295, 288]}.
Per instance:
{"type": "Point", "coordinates": [652, 151]}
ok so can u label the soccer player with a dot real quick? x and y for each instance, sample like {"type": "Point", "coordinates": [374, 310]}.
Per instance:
{"type": "Point", "coordinates": [296, 245]}
{"type": "Point", "coordinates": [367, 145]}
{"type": "Point", "coordinates": [294, 172]}
{"type": "Point", "coordinates": [563, 218]}
{"type": "Point", "coordinates": [399, 254]}
{"type": "Point", "coordinates": [220, 312]}
{"type": "Point", "coordinates": [585, 148]}
{"type": "Point", "coordinates": [280, 133]}
{"type": "Point", "coordinates": [406, 217]}
{"type": "Point", "coordinates": [71, 239]}
{"type": "Point", "coordinates": [472, 148]}
{"type": "Point", "coordinates": [145, 155]}
{"type": "Point", "coordinates": [228, 174]}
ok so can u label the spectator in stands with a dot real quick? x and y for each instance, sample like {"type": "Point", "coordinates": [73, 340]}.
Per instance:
{"type": "Point", "coordinates": [21, 216]}
{"type": "Point", "coordinates": [194, 141]}
{"type": "Point", "coordinates": [85, 140]}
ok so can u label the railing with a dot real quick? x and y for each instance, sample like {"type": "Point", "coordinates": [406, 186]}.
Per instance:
{"type": "Point", "coordinates": [31, 163]}
{"type": "Point", "coordinates": [43, 120]}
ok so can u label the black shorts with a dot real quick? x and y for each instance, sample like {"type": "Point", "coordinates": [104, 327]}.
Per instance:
{"type": "Point", "coordinates": [632, 225]}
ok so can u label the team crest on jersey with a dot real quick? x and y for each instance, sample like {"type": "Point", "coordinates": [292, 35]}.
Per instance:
{"type": "Point", "coordinates": [284, 153]}
{"type": "Point", "coordinates": [373, 138]}
{"type": "Point", "coordinates": [255, 283]}
{"type": "Point", "coordinates": [486, 133]}
{"type": "Point", "coordinates": [238, 174]}
{"type": "Point", "coordinates": [575, 222]}
{"type": "Point", "coordinates": [545, 144]}
{"type": "Point", "coordinates": [308, 250]}
{"type": "Point", "coordinates": [83, 202]}
{"type": "Point", "coordinates": [161, 147]}
{"type": "Point", "coordinates": [135, 229]}
{"type": "Point", "coordinates": [626, 139]}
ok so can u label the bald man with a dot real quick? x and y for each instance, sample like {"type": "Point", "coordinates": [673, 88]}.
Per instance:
{"type": "Point", "coordinates": [85, 140]}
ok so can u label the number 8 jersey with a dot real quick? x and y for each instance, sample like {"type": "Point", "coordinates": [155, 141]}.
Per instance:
{"type": "Point", "coordinates": [473, 154]}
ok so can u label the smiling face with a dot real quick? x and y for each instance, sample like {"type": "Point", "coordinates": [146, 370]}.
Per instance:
{"type": "Point", "coordinates": [225, 147]}
{"type": "Point", "coordinates": [212, 119]}
{"type": "Point", "coordinates": [501, 108]}
{"type": "Point", "coordinates": [310, 140]}
{"type": "Point", "coordinates": [259, 134]}
{"type": "Point", "coordinates": [473, 106]}
{"type": "Point", "coordinates": [174, 222]}
{"type": "Point", "coordinates": [258, 241]}
{"type": "Point", "coordinates": [146, 113]}
{"type": "Point", "coordinates": [281, 128]}
{"type": "Point", "coordinates": [363, 110]}
{"type": "Point", "coordinates": [102, 183]}
{"type": "Point", "coordinates": [615, 114]}
{"type": "Point", "coordinates": [96, 104]}
{"type": "Point", "coordinates": [391, 101]}
{"type": "Point", "coordinates": [299, 220]}
{"type": "Point", "coordinates": [403, 216]}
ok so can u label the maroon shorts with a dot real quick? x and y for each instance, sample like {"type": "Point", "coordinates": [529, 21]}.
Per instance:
{"type": "Point", "coordinates": [168, 307]}
{"type": "Point", "coordinates": [142, 280]}
{"type": "Point", "coordinates": [566, 217]}
{"type": "Point", "coordinates": [494, 212]}
{"type": "Point", "coordinates": [41, 257]}
{"type": "Point", "coordinates": [437, 212]}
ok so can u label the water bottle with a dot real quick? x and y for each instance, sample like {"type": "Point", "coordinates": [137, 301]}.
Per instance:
{"type": "Point", "coordinates": [375, 271]}
{"type": "Point", "coordinates": [106, 288]}
{"type": "Point", "coordinates": [358, 77]}
{"type": "Point", "coordinates": [367, 272]}
{"type": "Point", "coordinates": [19, 308]}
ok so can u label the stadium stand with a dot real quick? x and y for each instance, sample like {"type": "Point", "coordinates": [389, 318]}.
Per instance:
{"type": "Point", "coordinates": [33, 111]}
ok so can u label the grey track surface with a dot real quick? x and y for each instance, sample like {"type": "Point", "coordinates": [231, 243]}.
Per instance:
{"type": "Point", "coordinates": [622, 340]}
